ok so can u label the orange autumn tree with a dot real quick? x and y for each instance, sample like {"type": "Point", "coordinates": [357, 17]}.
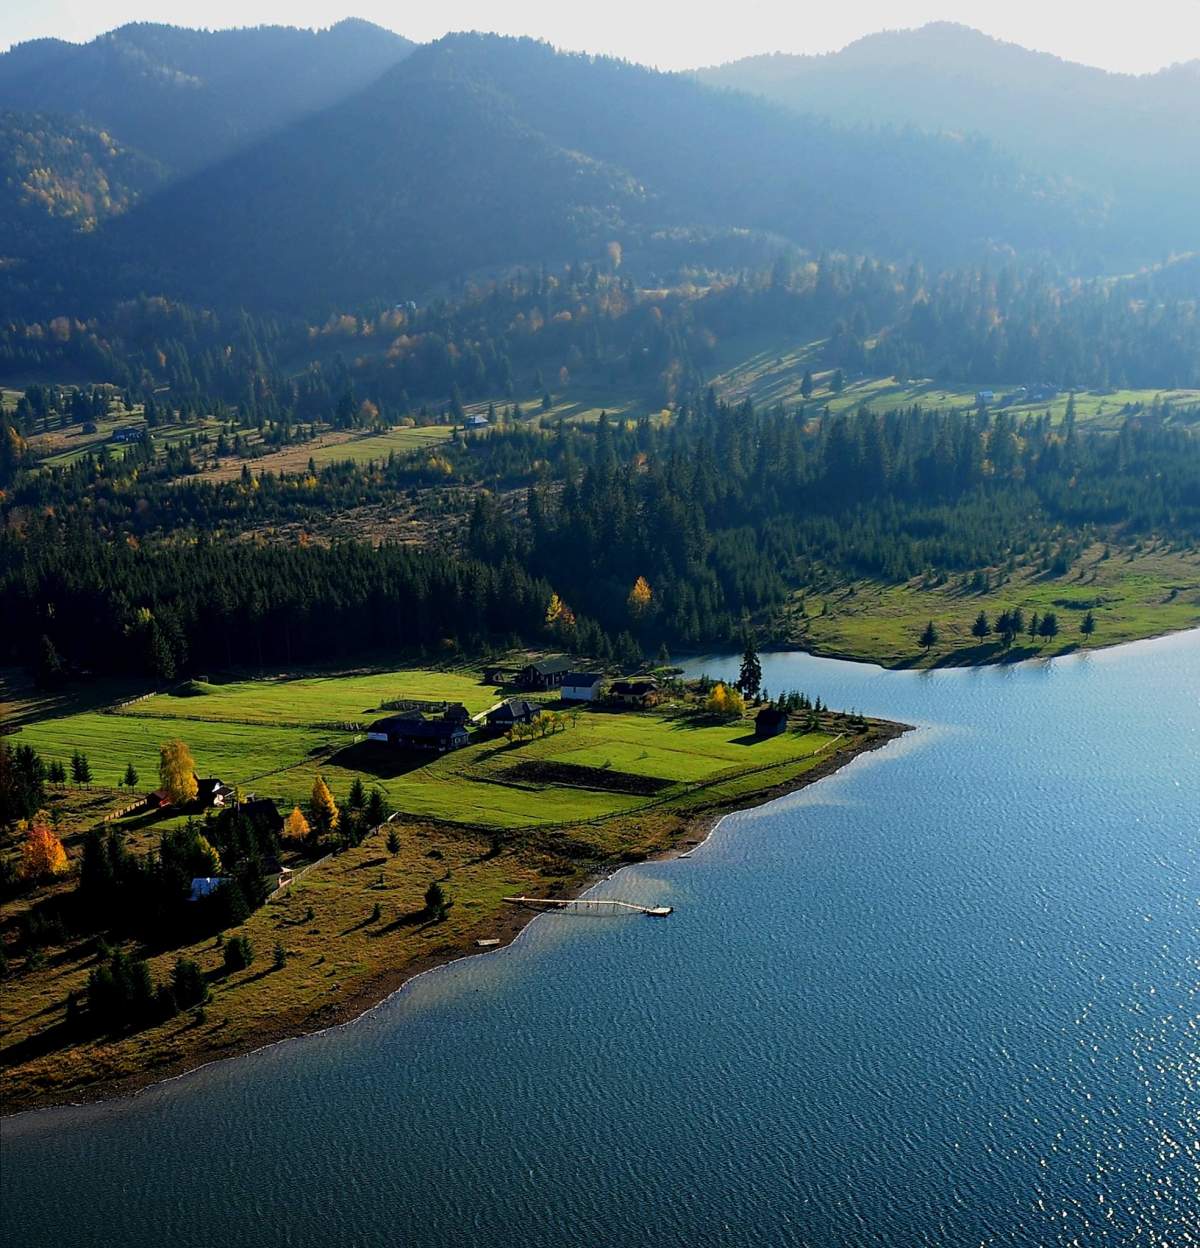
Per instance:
{"type": "Point", "coordinates": [324, 808]}
{"type": "Point", "coordinates": [640, 596]}
{"type": "Point", "coordinates": [295, 826]}
{"type": "Point", "coordinates": [42, 855]}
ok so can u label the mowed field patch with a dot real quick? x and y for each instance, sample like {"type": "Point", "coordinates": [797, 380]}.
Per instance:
{"type": "Point", "coordinates": [336, 447]}
{"type": "Point", "coordinates": [478, 785]}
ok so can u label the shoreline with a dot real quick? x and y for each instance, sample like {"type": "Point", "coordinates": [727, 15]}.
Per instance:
{"type": "Point", "coordinates": [998, 658]}
{"type": "Point", "coordinates": [507, 925]}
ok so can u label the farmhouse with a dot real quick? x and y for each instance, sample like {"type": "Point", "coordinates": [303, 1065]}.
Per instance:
{"type": "Point", "coordinates": [160, 799]}
{"type": "Point", "coordinates": [212, 792]}
{"type": "Point", "coordinates": [513, 711]}
{"type": "Point", "coordinates": [476, 422]}
{"type": "Point", "coordinates": [130, 433]}
{"type": "Point", "coordinates": [412, 731]}
{"type": "Point", "coordinates": [545, 673]}
{"type": "Point", "coordinates": [640, 691]}
{"type": "Point", "coordinates": [770, 722]}
{"type": "Point", "coordinates": [260, 811]}
{"type": "Point", "coordinates": [581, 686]}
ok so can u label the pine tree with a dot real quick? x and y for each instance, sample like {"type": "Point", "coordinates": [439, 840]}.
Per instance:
{"type": "Point", "coordinates": [1087, 626]}
{"type": "Point", "coordinates": [377, 808]}
{"type": "Point", "coordinates": [130, 778]}
{"type": "Point", "coordinates": [929, 635]}
{"type": "Point", "coordinates": [436, 902]}
{"type": "Point", "coordinates": [750, 677]}
{"type": "Point", "coordinates": [81, 769]}
{"type": "Point", "coordinates": [981, 628]}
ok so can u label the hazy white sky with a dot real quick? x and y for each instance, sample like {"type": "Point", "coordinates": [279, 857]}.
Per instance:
{"type": "Point", "coordinates": [1116, 34]}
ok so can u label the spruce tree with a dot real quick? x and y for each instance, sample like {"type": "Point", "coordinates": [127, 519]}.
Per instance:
{"type": "Point", "coordinates": [750, 677]}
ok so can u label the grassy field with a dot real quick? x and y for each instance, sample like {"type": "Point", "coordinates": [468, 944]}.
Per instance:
{"type": "Point", "coordinates": [267, 735]}
{"type": "Point", "coordinates": [318, 698]}
{"type": "Point", "coordinates": [1133, 594]}
{"type": "Point", "coordinates": [771, 372]}
{"type": "Point", "coordinates": [352, 926]}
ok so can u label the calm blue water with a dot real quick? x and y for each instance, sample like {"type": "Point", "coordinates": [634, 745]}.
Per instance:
{"type": "Point", "coordinates": [946, 997]}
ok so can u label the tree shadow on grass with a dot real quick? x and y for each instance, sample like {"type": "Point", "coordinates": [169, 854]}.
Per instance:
{"type": "Point", "coordinates": [419, 920]}
{"type": "Point", "coordinates": [40, 1044]}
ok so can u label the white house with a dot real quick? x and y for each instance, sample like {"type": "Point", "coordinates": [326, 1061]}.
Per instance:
{"type": "Point", "coordinates": [581, 687]}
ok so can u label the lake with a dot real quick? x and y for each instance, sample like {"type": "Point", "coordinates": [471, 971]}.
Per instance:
{"type": "Point", "coordinates": [948, 996]}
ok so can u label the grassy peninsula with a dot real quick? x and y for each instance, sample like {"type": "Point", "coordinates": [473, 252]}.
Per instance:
{"type": "Point", "coordinates": [543, 815]}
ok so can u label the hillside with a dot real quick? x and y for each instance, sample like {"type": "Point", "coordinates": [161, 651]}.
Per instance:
{"type": "Point", "coordinates": [1123, 135]}
{"type": "Point", "coordinates": [478, 152]}
{"type": "Point", "coordinates": [188, 97]}
{"type": "Point", "coordinates": [58, 175]}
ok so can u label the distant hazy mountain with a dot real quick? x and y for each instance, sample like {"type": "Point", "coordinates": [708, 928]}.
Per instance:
{"type": "Point", "coordinates": [189, 97]}
{"type": "Point", "coordinates": [481, 151]}
{"type": "Point", "coordinates": [1135, 137]}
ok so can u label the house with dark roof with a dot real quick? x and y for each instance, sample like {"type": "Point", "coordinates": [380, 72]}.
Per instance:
{"type": "Point", "coordinates": [544, 673]}
{"type": "Point", "coordinates": [639, 691]}
{"type": "Point", "coordinates": [770, 722]}
{"type": "Point", "coordinates": [511, 712]}
{"type": "Point", "coordinates": [412, 731]}
{"type": "Point", "coordinates": [212, 792]}
{"type": "Point", "coordinates": [581, 686]}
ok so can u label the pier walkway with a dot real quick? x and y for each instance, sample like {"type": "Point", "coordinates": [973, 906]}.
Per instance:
{"type": "Point", "coordinates": [611, 903]}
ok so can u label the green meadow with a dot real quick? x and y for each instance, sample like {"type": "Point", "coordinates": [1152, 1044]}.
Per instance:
{"type": "Point", "coordinates": [1131, 593]}
{"type": "Point", "coordinates": [770, 372]}
{"type": "Point", "coordinates": [275, 736]}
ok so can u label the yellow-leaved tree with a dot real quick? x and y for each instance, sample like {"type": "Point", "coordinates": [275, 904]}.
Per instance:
{"type": "Point", "coordinates": [42, 855]}
{"type": "Point", "coordinates": [640, 596]}
{"type": "Point", "coordinates": [324, 808]}
{"type": "Point", "coordinates": [177, 772]}
{"type": "Point", "coordinates": [295, 826]}
{"type": "Point", "coordinates": [725, 701]}
{"type": "Point", "coordinates": [559, 616]}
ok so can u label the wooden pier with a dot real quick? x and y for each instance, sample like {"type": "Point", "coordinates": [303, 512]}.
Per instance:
{"type": "Point", "coordinates": [566, 903]}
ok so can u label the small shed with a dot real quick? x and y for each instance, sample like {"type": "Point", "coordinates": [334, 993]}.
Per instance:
{"type": "Point", "coordinates": [770, 722]}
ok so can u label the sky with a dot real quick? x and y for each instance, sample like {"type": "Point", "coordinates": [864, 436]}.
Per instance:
{"type": "Point", "coordinates": [1130, 38]}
